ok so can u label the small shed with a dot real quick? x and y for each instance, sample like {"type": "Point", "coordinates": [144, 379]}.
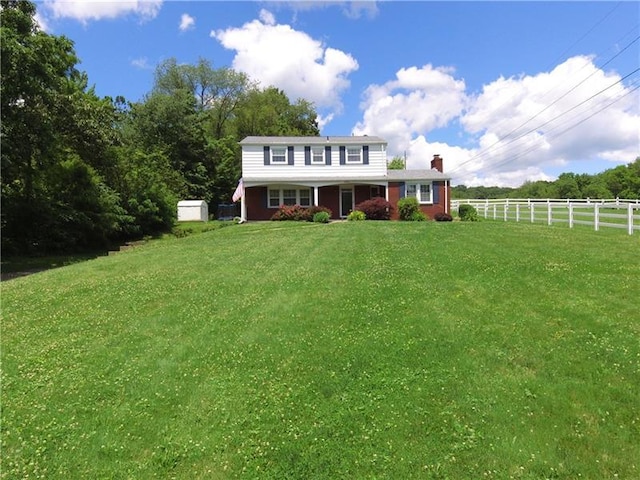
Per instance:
{"type": "Point", "coordinates": [193, 211]}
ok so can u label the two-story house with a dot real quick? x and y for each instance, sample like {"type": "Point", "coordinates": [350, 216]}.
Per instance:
{"type": "Point", "coordinates": [335, 172]}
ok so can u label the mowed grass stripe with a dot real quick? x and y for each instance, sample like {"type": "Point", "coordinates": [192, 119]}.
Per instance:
{"type": "Point", "coordinates": [349, 350]}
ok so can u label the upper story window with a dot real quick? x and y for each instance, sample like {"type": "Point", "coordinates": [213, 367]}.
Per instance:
{"type": "Point", "coordinates": [278, 155]}
{"type": "Point", "coordinates": [354, 155]}
{"type": "Point", "coordinates": [422, 191]}
{"type": "Point", "coordinates": [317, 155]}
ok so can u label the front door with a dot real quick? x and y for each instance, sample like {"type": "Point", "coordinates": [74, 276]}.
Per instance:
{"type": "Point", "coordinates": [346, 201]}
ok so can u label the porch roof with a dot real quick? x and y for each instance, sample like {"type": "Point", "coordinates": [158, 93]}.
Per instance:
{"type": "Point", "coordinates": [415, 175]}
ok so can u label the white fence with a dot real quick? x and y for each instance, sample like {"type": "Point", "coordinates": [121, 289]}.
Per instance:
{"type": "Point", "coordinates": [615, 213]}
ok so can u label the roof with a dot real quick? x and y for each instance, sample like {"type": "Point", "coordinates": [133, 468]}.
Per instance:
{"type": "Point", "coordinates": [404, 175]}
{"type": "Point", "coordinates": [391, 176]}
{"type": "Point", "coordinates": [342, 140]}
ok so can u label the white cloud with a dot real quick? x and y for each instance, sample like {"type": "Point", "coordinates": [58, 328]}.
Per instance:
{"type": "Point", "coordinates": [416, 101]}
{"type": "Point", "coordinates": [277, 55]}
{"type": "Point", "coordinates": [42, 22]}
{"type": "Point", "coordinates": [142, 63]}
{"type": "Point", "coordinates": [187, 22]}
{"type": "Point", "coordinates": [86, 10]}
{"type": "Point", "coordinates": [519, 127]}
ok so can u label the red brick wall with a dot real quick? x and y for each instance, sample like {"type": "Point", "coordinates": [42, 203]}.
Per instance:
{"type": "Point", "coordinates": [428, 210]}
{"type": "Point", "coordinates": [330, 197]}
{"type": "Point", "coordinates": [256, 202]}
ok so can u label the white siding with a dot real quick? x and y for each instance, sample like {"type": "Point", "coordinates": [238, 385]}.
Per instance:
{"type": "Point", "coordinates": [253, 166]}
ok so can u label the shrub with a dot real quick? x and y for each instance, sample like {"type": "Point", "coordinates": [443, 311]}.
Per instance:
{"type": "Point", "coordinates": [321, 217]}
{"type": "Point", "coordinates": [376, 209]}
{"type": "Point", "coordinates": [442, 217]}
{"type": "Point", "coordinates": [408, 207]}
{"type": "Point", "coordinates": [418, 216]}
{"type": "Point", "coordinates": [356, 216]}
{"type": "Point", "coordinates": [467, 213]}
{"type": "Point", "coordinates": [315, 209]}
{"type": "Point", "coordinates": [291, 212]}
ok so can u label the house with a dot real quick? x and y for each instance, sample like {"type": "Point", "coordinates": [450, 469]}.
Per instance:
{"type": "Point", "coordinates": [335, 172]}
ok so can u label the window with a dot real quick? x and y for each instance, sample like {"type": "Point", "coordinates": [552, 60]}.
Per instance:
{"type": "Point", "coordinates": [289, 196]}
{"type": "Point", "coordinates": [422, 191]}
{"type": "Point", "coordinates": [317, 155]}
{"type": "Point", "coordinates": [305, 197]}
{"type": "Point", "coordinates": [353, 155]}
{"type": "Point", "coordinates": [376, 191]}
{"type": "Point", "coordinates": [278, 155]}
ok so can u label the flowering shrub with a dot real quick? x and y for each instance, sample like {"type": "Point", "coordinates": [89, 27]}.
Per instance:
{"type": "Point", "coordinates": [298, 213]}
{"type": "Point", "coordinates": [376, 209]}
{"type": "Point", "coordinates": [442, 217]}
{"type": "Point", "coordinates": [356, 215]}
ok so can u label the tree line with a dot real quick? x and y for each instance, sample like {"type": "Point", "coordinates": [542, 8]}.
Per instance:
{"type": "Point", "coordinates": [82, 172]}
{"type": "Point", "coordinates": [622, 181]}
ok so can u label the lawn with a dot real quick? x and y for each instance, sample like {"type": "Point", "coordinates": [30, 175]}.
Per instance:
{"type": "Point", "coordinates": [349, 350]}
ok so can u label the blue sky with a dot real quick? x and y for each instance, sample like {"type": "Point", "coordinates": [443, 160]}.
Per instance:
{"type": "Point", "coordinates": [504, 91]}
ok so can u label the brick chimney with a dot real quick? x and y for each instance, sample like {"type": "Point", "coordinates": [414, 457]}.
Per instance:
{"type": "Point", "coordinates": [436, 163]}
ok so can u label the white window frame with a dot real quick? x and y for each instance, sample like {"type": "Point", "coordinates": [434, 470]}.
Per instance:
{"type": "Point", "coordinates": [280, 197]}
{"type": "Point", "coordinates": [280, 157]}
{"type": "Point", "coordinates": [317, 155]}
{"type": "Point", "coordinates": [349, 154]}
{"type": "Point", "coordinates": [418, 192]}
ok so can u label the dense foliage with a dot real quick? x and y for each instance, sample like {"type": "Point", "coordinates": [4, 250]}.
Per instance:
{"type": "Point", "coordinates": [622, 181]}
{"type": "Point", "coordinates": [80, 172]}
{"type": "Point", "coordinates": [376, 208]}
{"type": "Point", "coordinates": [356, 216]}
{"type": "Point", "coordinates": [298, 213]}
{"type": "Point", "coordinates": [467, 213]}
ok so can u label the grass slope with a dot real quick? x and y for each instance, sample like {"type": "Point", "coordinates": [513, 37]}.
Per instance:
{"type": "Point", "coordinates": [349, 350]}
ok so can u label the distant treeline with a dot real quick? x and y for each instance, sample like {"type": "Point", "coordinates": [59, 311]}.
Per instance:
{"type": "Point", "coordinates": [620, 182]}
{"type": "Point", "coordinates": [80, 172]}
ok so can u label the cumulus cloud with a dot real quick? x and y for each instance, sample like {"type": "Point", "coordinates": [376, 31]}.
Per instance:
{"type": "Point", "coordinates": [86, 10]}
{"type": "Point", "coordinates": [278, 55]}
{"type": "Point", "coordinates": [142, 63]}
{"type": "Point", "coordinates": [517, 126]}
{"type": "Point", "coordinates": [416, 101]}
{"type": "Point", "coordinates": [187, 22]}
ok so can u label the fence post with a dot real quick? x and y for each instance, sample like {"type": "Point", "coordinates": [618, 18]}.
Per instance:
{"type": "Point", "coordinates": [548, 212]}
{"type": "Point", "coordinates": [630, 218]}
{"type": "Point", "coordinates": [571, 215]}
{"type": "Point", "coordinates": [495, 212]}
{"type": "Point", "coordinates": [517, 212]}
{"type": "Point", "coordinates": [596, 216]}
{"type": "Point", "coordinates": [506, 208]}
{"type": "Point", "coordinates": [532, 208]}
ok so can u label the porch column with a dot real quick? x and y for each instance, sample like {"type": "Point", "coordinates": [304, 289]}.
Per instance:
{"type": "Point", "coordinates": [446, 200]}
{"type": "Point", "coordinates": [243, 208]}
{"type": "Point", "coordinates": [315, 196]}
{"type": "Point", "coordinates": [386, 191]}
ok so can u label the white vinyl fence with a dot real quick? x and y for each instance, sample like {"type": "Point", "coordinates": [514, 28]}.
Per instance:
{"type": "Point", "coordinates": [616, 213]}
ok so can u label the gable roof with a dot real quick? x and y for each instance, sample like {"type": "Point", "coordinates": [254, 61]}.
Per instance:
{"type": "Point", "coordinates": [325, 140]}
{"type": "Point", "coordinates": [409, 175]}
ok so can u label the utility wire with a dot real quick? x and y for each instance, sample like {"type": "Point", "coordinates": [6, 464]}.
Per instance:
{"type": "Point", "coordinates": [562, 132]}
{"type": "Point", "coordinates": [486, 150]}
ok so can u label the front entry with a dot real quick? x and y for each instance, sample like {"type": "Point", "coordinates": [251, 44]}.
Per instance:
{"type": "Point", "coordinates": [346, 201]}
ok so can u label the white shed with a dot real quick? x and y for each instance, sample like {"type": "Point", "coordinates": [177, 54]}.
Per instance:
{"type": "Point", "coordinates": [193, 211]}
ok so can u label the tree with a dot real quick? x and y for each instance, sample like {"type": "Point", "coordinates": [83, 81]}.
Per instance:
{"type": "Point", "coordinates": [396, 163]}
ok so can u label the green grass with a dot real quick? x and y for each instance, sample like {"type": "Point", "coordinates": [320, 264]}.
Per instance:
{"type": "Point", "coordinates": [349, 350]}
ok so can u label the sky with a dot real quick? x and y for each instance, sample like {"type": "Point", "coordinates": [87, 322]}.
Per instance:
{"type": "Point", "coordinates": [505, 92]}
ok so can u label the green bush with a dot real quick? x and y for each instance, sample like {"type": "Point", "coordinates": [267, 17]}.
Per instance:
{"type": "Point", "coordinates": [408, 207]}
{"type": "Point", "coordinates": [321, 217]}
{"type": "Point", "coordinates": [356, 215]}
{"type": "Point", "coordinates": [467, 213]}
{"type": "Point", "coordinates": [418, 216]}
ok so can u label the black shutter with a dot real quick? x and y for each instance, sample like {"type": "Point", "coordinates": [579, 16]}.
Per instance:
{"type": "Point", "coordinates": [290, 155]}
{"type": "Point", "coordinates": [343, 154]}
{"type": "Point", "coordinates": [365, 154]}
{"type": "Point", "coordinates": [267, 155]}
{"type": "Point", "coordinates": [436, 192]}
{"type": "Point", "coordinates": [327, 155]}
{"type": "Point", "coordinates": [307, 155]}
{"type": "Point", "coordinates": [403, 190]}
